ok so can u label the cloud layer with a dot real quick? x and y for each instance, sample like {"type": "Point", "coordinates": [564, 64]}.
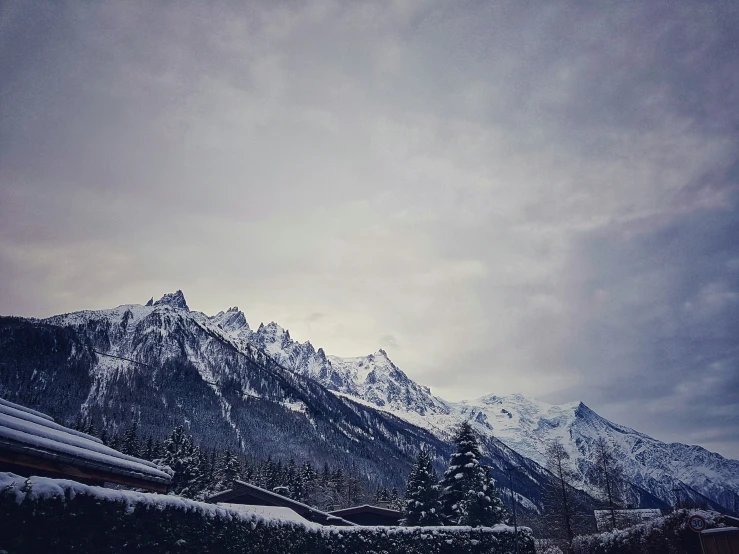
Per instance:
{"type": "Point", "coordinates": [506, 197]}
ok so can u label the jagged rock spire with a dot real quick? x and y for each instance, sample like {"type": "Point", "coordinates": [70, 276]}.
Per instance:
{"type": "Point", "coordinates": [174, 299]}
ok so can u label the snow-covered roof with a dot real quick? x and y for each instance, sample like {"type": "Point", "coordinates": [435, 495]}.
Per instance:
{"type": "Point", "coordinates": [367, 508]}
{"type": "Point", "coordinates": [37, 441]}
{"type": "Point", "coordinates": [280, 513]}
{"type": "Point", "coordinates": [247, 494]}
{"type": "Point", "coordinates": [719, 530]}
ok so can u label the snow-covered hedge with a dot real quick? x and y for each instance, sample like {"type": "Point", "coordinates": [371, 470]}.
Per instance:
{"type": "Point", "coordinates": [669, 533]}
{"type": "Point", "coordinates": [53, 515]}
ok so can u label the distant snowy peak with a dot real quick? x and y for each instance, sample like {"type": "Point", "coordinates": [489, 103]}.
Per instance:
{"type": "Point", "coordinates": [174, 299]}
{"type": "Point", "coordinates": [528, 425]}
{"type": "Point", "coordinates": [376, 379]}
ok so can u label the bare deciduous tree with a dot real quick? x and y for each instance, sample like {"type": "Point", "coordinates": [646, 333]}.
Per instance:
{"type": "Point", "coordinates": [558, 503]}
{"type": "Point", "coordinates": [609, 476]}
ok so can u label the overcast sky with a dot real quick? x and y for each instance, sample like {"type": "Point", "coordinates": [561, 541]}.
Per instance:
{"type": "Point", "coordinates": [535, 197]}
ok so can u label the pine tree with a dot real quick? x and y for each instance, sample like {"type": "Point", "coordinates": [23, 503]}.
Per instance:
{"type": "Point", "coordinates": [394, 499]}
{"type": "Point", "coordinates": [269, 478]}
{"type": "Point", "coordinates": [309, 478]}
{"type": "Point", "coordinates": [294, 481]}
{"type": "Point", "coordinates": [131, 445]}
{"type": "Point", "coordinates": [84, 425]}
{"type": "Point", "coordinates": [353, 487]}
{"type": "Point", "coordinates": [178, 455]}
{"type": "Point", "coordinates": [228, 472]}
{"type": "Point", "coordinates": [337, 487]}
{"type": "Point", "coordinates": [422, 504]}
{"type": "Point", "coordinates": [462, 478]}
{"type": "Point", "coordinates": [114, 442]}
{"type": "Point", "coordinates": [212, 468]}
{"type": "Point", "coordinates": [483, 507]}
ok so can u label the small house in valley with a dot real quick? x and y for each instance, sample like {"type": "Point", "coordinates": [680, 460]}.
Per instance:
{"type": "Point", "coordinates": [624, 518]}
{"type": "Point", "coordinates": [250, 498]}
{"type": "Point", "coordinates": [370, 515]}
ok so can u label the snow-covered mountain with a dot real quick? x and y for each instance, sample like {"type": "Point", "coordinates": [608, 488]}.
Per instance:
{"type": "Point", "coordinates": [372, 378]}
{"type": "Point", "coordinates": [261, 390]}
{"type": "Point", "coordinates": [524, 424]}
{"type": "Point", "coordinates": [163, 365]}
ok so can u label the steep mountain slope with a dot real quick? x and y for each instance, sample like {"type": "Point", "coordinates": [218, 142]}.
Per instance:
{"type": "Point", "coordinates": [187, 370]}
{"type": "Point", "coordinates": [654, 469]}
{"type": "Point", "coordinates": [526, 425]}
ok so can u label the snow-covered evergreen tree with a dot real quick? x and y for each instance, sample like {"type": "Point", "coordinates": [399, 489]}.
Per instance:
{"type": "Point", "coordinates": [422, 504]}
{"type": "Point", "coordinates": [468, 494]}
{"type": "Point", "coordinates": [382, 495]}
{"type": "Point", "coordinates": [483, 506]}
{"type": "Point", "coordinates": [309, 478]}
{"type": "Point", "coordinates": [196, 473]}
{"type": "Point", "coordinates": [294, 480]}
{"type": "Point", "coordinates": [395, 503]}
{"type": "Point", "coordinates": [462, 478]}
{"type": "Point", "coordinates": [269, 478]}
{"type": "Point", "coordinates": [229, 471]}
{"type": "Point", "coordinates": [178, 455]}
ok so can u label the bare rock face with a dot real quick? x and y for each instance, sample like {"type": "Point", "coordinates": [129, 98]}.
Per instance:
{"type": "Point", "coordinates": [174, 299]}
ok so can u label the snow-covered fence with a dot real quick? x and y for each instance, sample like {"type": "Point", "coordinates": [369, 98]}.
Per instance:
{"type": "Point", "coordinates": [50, 515]}
{"type": "Point", "coordinates": [669, 533]}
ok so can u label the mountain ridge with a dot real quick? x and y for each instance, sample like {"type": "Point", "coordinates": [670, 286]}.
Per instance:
{"type": "Point", "coordinates": [377, 380]}
{"type": "Point", "coordinates": [203, 350]}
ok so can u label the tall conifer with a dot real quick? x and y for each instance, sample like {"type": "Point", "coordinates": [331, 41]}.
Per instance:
{"type": "Point", "coordinates": [422, 504]}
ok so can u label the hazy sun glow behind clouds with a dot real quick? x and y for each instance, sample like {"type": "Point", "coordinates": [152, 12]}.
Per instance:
{"type": "Point", "coordinates": [506, 197]}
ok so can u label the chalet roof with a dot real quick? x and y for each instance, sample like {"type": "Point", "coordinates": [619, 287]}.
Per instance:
{"type": "Point", "coordinates": [281, 513]}
{"type": "Point", "coordinates": [640, 512]}
{"type": "Point", "coordinates": [624, 517]}
{"type": "Point", "coordinates": [31, 439]}
{"type": "Point", "coordinates": [366, 509]}
{"type": "Point", "coordinates": [246, 493]}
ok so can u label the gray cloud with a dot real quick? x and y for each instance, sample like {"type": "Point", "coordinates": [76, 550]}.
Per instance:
{"type": "Point", "coordinates": [526, 198]}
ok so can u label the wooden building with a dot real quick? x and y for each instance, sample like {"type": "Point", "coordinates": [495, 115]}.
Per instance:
{"type": "Point", "coordinates": [624, 518]}
{"type": "Point", "coordinates": [246, 494]}
{"type": "Point", "coordinates": [722, 540]}
{"type": "Point", "coordinates": [31, 443]}
{"type": "Point", "coordinates": [370, 515]}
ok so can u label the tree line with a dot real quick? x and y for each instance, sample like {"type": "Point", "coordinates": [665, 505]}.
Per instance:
{"type": "Point", "coordinates": [465, 495]}
{"type": "Point", "coordinates": [199, 473]}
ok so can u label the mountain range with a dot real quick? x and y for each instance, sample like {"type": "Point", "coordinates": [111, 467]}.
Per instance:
{"type": "Point", "coordinates": [259, 391]}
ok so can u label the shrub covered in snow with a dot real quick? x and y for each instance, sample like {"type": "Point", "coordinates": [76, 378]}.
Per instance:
{"type": "Point", "coordinates": [49, 515]}
{"type": "Point", "coordinates": [669, 533]}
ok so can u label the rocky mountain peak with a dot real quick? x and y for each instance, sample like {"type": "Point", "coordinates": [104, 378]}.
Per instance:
{"type": "Point", "coordinates": [231, 320]}
{"type": "Point", "coordinates": [174, 299]}
{"type": "Point", "coordinates": [272, 329]}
